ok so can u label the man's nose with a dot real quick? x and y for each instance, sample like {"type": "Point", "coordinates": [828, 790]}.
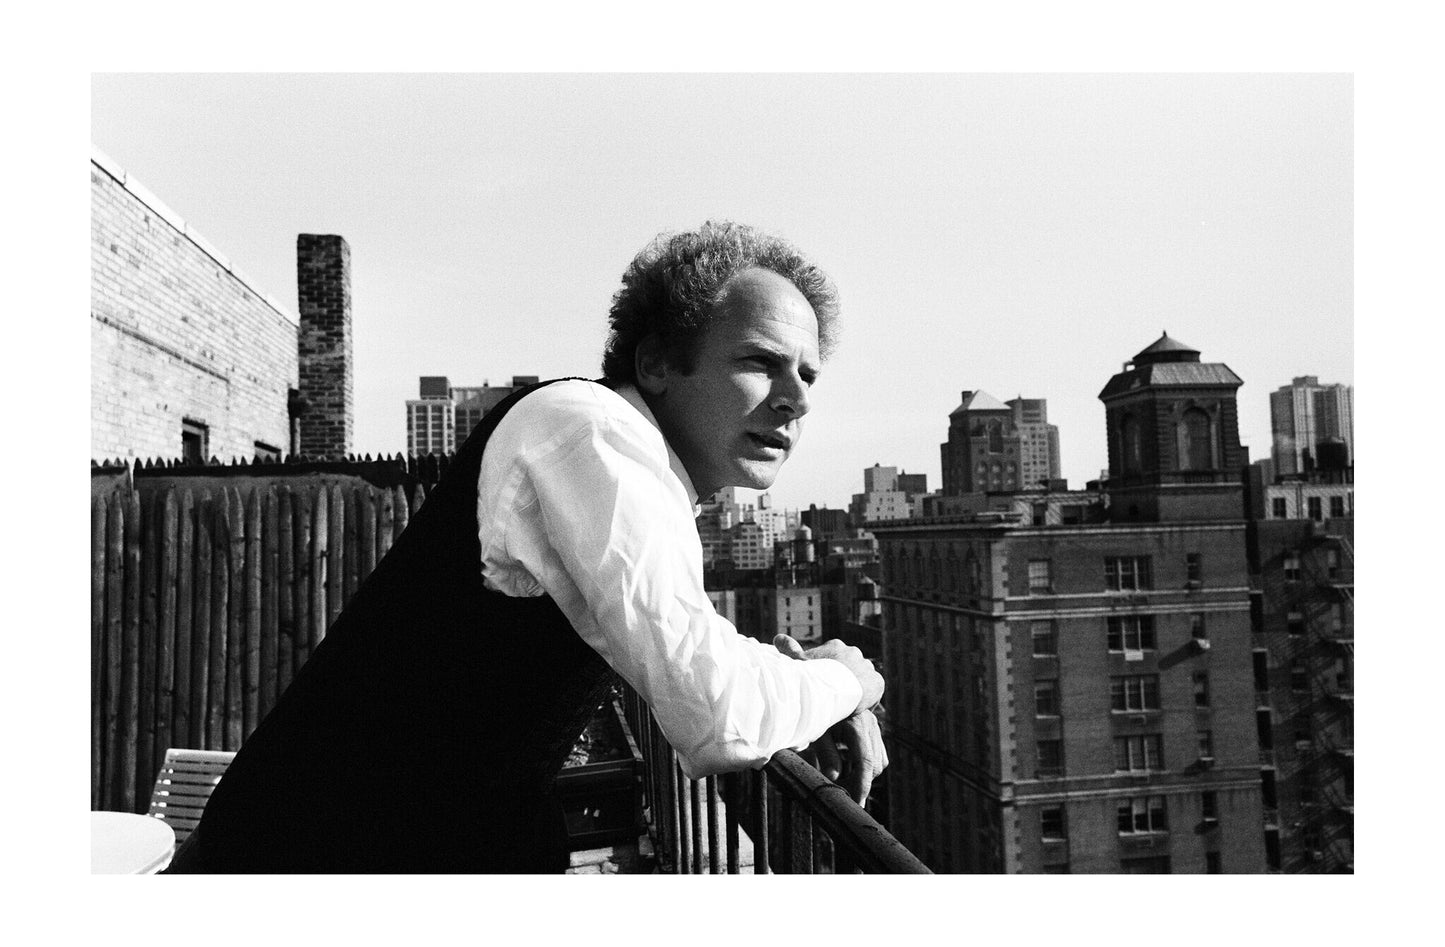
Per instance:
{"type": "Point", "coordinates": [790, 395]}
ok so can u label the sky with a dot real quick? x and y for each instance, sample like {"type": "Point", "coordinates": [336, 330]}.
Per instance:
{"type": "Point", "coordinates": [1023, 234]}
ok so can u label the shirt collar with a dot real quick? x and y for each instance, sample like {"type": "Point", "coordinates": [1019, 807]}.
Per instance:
{"type": "Point", "coordinates": [632, 396]}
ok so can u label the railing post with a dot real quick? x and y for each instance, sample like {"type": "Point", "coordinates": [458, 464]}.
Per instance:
{"type": "Point", "coordinates": [714, 840]}
{"type": "Point", "coordinates": [732, 799]}
{"type": "Point", "coordinates": [695, 806]}
{"type": "Point", "coordinates": [762, 845]}
{"type": "Point", "coordinates": [797, 832]}
{"type": "Point", "coordinates": [682, 821]}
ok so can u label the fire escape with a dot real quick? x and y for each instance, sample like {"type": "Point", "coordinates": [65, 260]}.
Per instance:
{"type": "Point", "coordinates": [1305, 692]}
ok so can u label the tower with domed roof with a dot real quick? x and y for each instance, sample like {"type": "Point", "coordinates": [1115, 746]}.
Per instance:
{"type": "Point", "coordinates": [1173, 428]}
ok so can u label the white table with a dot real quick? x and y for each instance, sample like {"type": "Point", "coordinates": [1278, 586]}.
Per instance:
{"type": "Point", "coordinates": [123, 843]}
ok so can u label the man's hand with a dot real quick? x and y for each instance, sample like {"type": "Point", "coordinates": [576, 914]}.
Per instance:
{"type": "Point", "coordinates": [851, 753]}
{"type": "Point", "coordinates": [849, 656]}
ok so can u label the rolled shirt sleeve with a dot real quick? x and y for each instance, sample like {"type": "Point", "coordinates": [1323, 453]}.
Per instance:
{"type": "Point", "coordinates": [593, 515]}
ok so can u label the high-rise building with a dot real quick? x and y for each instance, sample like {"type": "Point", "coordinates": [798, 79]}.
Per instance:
{"type": "Point", "coordinates": [1303, 415]}
{"type": "Point", "coordinates": [1078, 696]}
{"type": "Point", "coordinates": [887, 495]}
{"type": "Point", "coordinates": [441, 418]}
{"type": "Point", "coordinates": [997, 446]}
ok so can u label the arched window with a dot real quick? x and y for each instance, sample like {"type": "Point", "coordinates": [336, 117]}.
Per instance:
{"type": "Point", "coordinates": [1196, 441]}
{"type": "Point", "coordinates": [1131, 444]}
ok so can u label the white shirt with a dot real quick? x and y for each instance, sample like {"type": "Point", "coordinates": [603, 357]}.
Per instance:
{"type": "Point", "coordinates": [580, 498]}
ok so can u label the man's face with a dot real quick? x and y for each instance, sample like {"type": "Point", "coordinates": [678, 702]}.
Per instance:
{"type": "Point", "coordinates": [737, 416]}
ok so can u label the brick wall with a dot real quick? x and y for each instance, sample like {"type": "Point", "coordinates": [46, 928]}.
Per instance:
{"type": "Point", "coordinates": [176, 334]}
{"type": "Point", "coordinates": [323, 296]}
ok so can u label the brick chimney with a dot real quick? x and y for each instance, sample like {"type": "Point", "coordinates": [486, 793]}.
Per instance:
{"type": "Point", "coordinates": [323, 295]}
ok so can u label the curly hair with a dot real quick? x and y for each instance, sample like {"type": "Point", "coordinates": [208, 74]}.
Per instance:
{"type": "Point", "coordinates": [673, 285]}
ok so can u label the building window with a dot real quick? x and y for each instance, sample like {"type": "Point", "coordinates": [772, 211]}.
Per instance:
{"type": "Point", "coordinates": [1131, 634]}
{"type": "Point", "coordinates": [1206, 744]}
{"type": "Point", "coordinates": [1291, 568]}
{"type": "Point", "coordinates": [1196, 627]}
{"type": "Point", "coordinates": [1299, 676]}
{"type": "Point", "coordinates": [1132, 446]}
{"type": "Point", "coordinates": [1134, 693]}
{"type": "Point", "coordinates": [1295, 622]}
{"type": "Point", "coordinates": [1193, 567]}
{"type": "Point", "coordinates": [1127, 573]}
{"type": "Point", "coordinates": [1281, 508]}
{"type": "Point", "coordinates": [1142, 815]}
{"type": "Point", "coordinates": [195, 438]}
{"type": "Point", "coordinates": [1051, 758]}
{"type": "Point", "coordinates": [1332, 563]}
{"type": "Point", "coordinates": [266, 454]}
{"type": "Point", "coordinates": [1046, 642]}
{"type": "Point", "coordinates": [1201, 688]}
{"type": "Point", "coordinates": [1046, 698]}
{"type": "Point", "coordinates": [1149, 865]}
{"type": "Point", "coordinates": [1316, 512]}
{"type": "Point", "coordinates": [1138, 753]}
{"type": "Point", "coordinates": [1196, 441]}
{"type": "Point", "coordinates": [1051, 824]}
{"type": "Point", "coordinates": [1212, 863]}
{"type": "Point", "coordinates": [1337, 507]}
{"type": "Point", "coordinates": [1209, 805]}
{"type": "Point", "coordinates": [1040, 577]}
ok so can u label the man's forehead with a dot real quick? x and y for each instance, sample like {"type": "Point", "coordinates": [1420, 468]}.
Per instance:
{"type": "Point", "coordinates": [759, 301]}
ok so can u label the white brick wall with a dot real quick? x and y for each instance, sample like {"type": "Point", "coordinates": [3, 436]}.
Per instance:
{"type": "Point", "coordinates": [176, 334]}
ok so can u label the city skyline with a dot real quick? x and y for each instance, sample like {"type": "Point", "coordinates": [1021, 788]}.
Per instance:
{"type": "Point", "coordinates": [1011, 233]}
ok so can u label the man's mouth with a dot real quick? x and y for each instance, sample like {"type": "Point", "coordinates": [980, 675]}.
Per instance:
{"type": "Point", "coordinates": [773, 440]}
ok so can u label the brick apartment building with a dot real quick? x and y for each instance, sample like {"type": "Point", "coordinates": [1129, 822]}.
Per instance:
{"type": "Point", "coordinates": [1079, 696]}
{"type": "Point", "coordinates": [189, 359]}
{"type": "Point", "coordinates": [1302, 570]}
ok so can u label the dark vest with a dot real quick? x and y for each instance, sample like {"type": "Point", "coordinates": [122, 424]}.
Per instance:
{"type": "Point", "coordinates": [427, 728]}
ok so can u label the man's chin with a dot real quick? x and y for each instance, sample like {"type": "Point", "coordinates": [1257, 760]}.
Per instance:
{"type": "Point", "coordinates": [757, 476]}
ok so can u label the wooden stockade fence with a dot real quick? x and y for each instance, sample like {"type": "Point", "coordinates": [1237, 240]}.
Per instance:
{"type": "Point", "coordinates": [210, 586]}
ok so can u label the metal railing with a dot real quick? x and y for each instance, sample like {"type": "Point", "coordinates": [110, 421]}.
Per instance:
{"type": "Point", "coordinates": [784, 819]}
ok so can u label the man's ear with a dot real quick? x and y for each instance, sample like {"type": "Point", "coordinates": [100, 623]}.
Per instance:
{"type": "Point", "coordinates": [650, 363]}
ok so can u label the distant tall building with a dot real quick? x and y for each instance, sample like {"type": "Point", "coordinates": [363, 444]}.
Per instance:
{"type": "Point", "coordinates": [1074, 691]}
{"type": "Point", "coordinates": [997, 446]}
{"type": "Point", "coordinates": [824, 522]}
{"type": "Point", "coordinates": [439, 421]}
{"type": "Point", "coordinates": [887, 495]}
{"type": "Point", "coordinates": [1304, 414]}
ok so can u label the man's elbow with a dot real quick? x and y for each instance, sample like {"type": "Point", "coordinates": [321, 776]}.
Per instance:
{"type": "Point", "coordinates": [716, 758]}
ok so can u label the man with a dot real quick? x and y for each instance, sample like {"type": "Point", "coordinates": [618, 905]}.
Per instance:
{"type": "Point", "coordinates": [560, 550]}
